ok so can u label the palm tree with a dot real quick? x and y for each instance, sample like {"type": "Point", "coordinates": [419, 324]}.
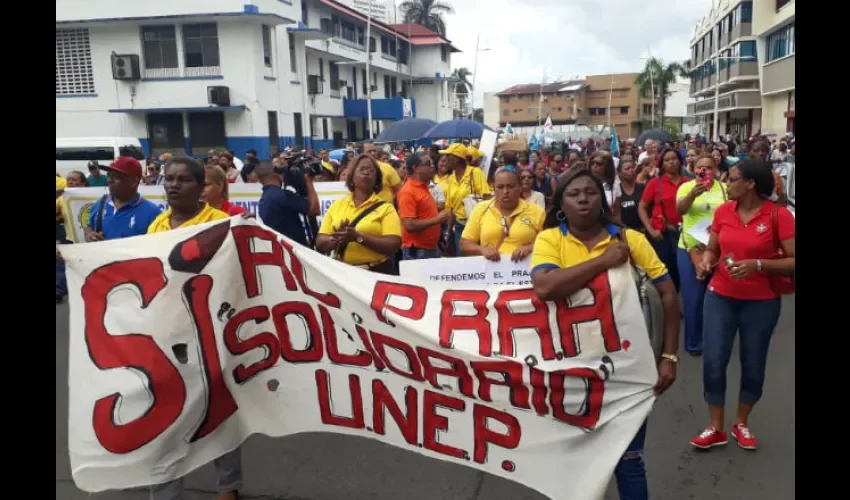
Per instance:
{"type": "Point", "coordinates": [461, 89]}
{"type": "Point", "coordinates": [428, 13]}
{"type": "Point", "coordinates": [662, 76]}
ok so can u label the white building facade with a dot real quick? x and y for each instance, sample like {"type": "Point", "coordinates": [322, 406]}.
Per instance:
{"type": "Point", "coordinates": [194, 76]}
{"type": "Point", "coordinates": [774, 23]}
{"type": "Point", "coordinates": [725, 70]}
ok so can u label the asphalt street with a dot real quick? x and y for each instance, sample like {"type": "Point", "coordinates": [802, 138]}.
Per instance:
{"type": "Point", "coordinates": [335, 467]}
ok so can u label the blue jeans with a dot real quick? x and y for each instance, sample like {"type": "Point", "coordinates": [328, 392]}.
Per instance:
{"type": "Point", "coordinates": [61, 282]}
{"type": "Point", "coordinates": [723, 318]}
{"type": "Point", "coordinates": [414, 253]}
{"type": "Point", "coordinates": [631, 472]}
{"type": "Point", "coordinates": [457, 234]}
{"type": "Point", "coordinates": [228, 471]}
{"type": "Point", "coordinates": [666, 249]}
{"type": "Point", "coordinates": [693, 298]}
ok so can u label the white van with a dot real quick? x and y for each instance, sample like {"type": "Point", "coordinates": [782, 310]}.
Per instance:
{"type": "Point", "coordinates": [74, 153]}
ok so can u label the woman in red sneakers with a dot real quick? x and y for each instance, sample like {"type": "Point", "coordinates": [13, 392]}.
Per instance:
{"type": "Point", "coordinates": [752, 239]}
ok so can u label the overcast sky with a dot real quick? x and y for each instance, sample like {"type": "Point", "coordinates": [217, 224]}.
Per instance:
{"type": "Point", "coordinates": [567, 37]}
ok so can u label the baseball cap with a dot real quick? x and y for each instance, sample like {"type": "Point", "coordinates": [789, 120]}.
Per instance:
{"type": "Point", "coordinates": [126, 165]}
{"type": "Point", "coordinates": [456, 149]}
{"type": "Point", "coordinates": [473, 153]}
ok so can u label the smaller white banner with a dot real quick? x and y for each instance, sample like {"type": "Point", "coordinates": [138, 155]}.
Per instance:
{"type": "Point", "coordinates": [474, 271]}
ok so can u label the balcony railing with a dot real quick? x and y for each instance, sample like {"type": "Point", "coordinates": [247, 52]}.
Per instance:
{"type": "Point", "coordinates": [182, 72]}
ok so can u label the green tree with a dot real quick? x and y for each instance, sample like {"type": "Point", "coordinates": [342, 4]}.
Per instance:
{"type": "Point", "coordinates": [658, 76]}
{"type": "Point", "coordinates": [478, 115]}
{"type": "Point", "coordinates": [461, 90]}
{"type": "Point", "coordinates": [428, 13]}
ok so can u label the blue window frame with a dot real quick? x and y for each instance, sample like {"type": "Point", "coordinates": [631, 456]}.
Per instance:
{"type": "Point", "coordinates": [781, 43]}
{"type": "Point", "coordinates": [746, 12]}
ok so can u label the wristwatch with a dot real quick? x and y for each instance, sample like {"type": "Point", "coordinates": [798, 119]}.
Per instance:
{"type": "Point", "coordinates": [670, 357]}
{"type": "Point", "coordinates": [359, 238]}
{"type": "Point", "coordinates": [758, 265]}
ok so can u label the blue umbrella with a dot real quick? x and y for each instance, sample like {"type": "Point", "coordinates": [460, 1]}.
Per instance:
{"type": "Point", "coordinates": [408, 129]}
{"type": "Point", "coordinates": [457, 129]}
{"type": "Point", "coordinates": [337, 154]}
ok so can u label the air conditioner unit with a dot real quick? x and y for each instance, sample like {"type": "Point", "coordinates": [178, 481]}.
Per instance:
{"type": "Point", "coordinates": [218, 95]}
{"type": "Point", "coordinates": [342, 83]}
{"type": "Point", "coordinates": [374, 88]}
{"type": "Point", "coordinates": [125, 67]}
{"type": "Point", "coordinates": [326, 26]}
{"type": "Point", "coordinates": [314, 85]}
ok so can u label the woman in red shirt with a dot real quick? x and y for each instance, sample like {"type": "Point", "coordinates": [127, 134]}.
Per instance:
{"type": "Point", "coordinates": [215, 191]}
{"type": "Point", "coordinates": [742, 295]}
{"type": "Point", "coordinates": [659, 199]}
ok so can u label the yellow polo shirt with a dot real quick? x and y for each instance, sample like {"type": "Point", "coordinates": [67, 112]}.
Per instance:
{"type": "Point", "coordinates": [61, 184]}
{"type": "Point", "coordinates": [391, 180]}
{"type": "Point", "coordinates": [555, 248]}
{"type": "Point", "coordinates": [162, 222]}
{"type": "Point", "coordinates": [383, 221]}
{"type": "Point", "coordinates": [472, 182]}
{"type": "Point", "coordinates": [485, 226]}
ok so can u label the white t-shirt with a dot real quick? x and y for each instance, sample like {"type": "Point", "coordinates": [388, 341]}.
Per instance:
{"type": "Point", "coordinates": [538, 198]}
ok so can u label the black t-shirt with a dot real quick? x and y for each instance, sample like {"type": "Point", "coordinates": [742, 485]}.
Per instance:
{"type": "Point", "coordinates": [629, 207]}
{"type": "Point", "coordinates": [282, 211]}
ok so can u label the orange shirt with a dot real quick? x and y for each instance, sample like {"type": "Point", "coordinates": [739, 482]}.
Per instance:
{"type": "Point", "coordinates": [415, 202]}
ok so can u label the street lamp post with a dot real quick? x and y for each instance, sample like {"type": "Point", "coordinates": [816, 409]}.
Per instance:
{"type": "Point", "coordinates": [651, 88]}
{"type": "Point", "coordinates": [474, 72]}
{"type": "Point", "coordinates": [716, 126]}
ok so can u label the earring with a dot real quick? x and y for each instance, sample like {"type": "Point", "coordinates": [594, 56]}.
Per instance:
{"type": "Point", "coordinates": [560, 215]}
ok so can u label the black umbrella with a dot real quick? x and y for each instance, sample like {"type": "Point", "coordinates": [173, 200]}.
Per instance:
{"type": "Point", "coordinates": [656, 134]}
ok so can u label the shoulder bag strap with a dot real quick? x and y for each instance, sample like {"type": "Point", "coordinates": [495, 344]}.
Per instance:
{"type": "Point", "coordinates": [98, 222]}
{"type": "Point", "coordinates": [774, 229]}
{"type": "Point", "coordinates": [341, 251]}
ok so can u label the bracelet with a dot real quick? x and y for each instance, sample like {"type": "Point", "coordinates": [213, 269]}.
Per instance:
{"type": "Point", "coordinates": [758, 265]}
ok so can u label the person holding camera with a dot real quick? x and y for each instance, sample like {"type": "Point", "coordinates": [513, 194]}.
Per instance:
{"type": "Point", "coordinates": [284, 210]}
{"type": "Point", "coordinates": [362, 229]}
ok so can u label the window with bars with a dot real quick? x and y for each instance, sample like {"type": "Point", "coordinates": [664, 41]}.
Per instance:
{"type": "Point", "coordinates": [74, 75]}
{"type": "Point", "coordinates": [200, 44]}
{"type": "Point", "coordinates": [159, 47]}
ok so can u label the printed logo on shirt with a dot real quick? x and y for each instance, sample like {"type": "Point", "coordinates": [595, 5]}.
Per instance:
{"type": "Point", "coordinates": [525, 220]}
{"type": "Point", "coordinates": [628, 203]}
{"type": "Point", "coordinates": [761, 228]}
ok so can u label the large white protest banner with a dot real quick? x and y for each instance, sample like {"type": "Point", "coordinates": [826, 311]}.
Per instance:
{"type": "Point", "coordinates": [79, 201]}
{"type": "Point", "coordinates": [467, 271]}
{"type": "Point", "coordinates": [182, 344]}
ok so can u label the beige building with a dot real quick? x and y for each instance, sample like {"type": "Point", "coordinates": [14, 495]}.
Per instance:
{"type": "Point", "coordinates": [725, 69]}
{"type": "Point", "coordinates": [773, 24]}
{"type": "Point", "coordinates": [581, 102]}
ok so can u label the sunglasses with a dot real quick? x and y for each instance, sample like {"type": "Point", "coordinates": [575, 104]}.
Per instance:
{"type": "Point", "coordinates": [597, 163]}
{"type": "Point", "coordinates": [505, 228]}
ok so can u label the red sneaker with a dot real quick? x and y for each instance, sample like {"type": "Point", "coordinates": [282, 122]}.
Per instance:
{"type": "Point", "coordinates": [709, 438]}
{"type": "Point", "coordinates": [744, 437]}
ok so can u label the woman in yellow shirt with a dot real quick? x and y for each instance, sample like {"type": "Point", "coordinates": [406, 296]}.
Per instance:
{"type": "Point", "coordinates": [362, 229]}
{"type": "Point", "coordinates": [507, 225]}
{"type": "Point", "coordinates": [580, 242]}
{"type": "Point", "coordinates": [184, 182]}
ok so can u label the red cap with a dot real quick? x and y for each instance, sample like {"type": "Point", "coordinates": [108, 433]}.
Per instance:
{"type": "Point", "coordinates": [127, 166]}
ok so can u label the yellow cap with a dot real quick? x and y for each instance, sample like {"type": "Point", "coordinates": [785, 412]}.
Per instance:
{"type": "Point", "coordinates": [473, 153]}
{"type": "Point", "coordinates": [456, 149]}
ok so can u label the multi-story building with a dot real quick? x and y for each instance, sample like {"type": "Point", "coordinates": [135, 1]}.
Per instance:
{"type": "Point", "coordinates": [187, 76]}
{"type": "Point", "coordinates": [596, 100]}
{"type": "Point", "coordinates": [773, 24]}
{"type": "Point", "coordinates": [725, 70]}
